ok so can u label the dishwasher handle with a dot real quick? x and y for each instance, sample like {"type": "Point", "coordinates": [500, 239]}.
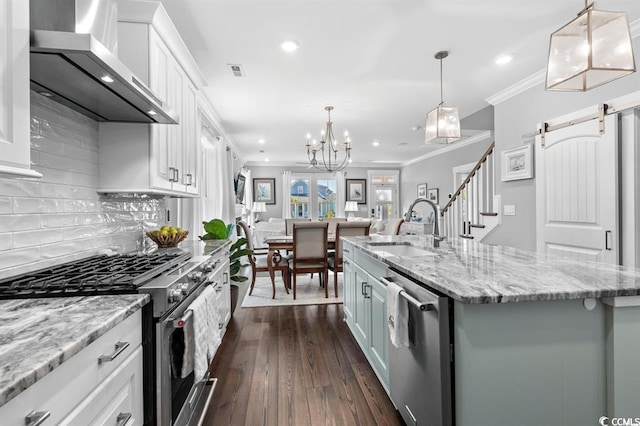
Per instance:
{"type": "Point", "coordinates": [427, 306]}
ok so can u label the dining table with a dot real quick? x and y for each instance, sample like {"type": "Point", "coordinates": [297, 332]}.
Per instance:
{"type": "Point", "coordinates": [277, 244]}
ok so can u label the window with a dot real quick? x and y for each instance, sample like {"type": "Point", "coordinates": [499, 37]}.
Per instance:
{"type": "Point", "coordinates": [384, 189]}
{"type": "Point", "coordinates": [313, 197]}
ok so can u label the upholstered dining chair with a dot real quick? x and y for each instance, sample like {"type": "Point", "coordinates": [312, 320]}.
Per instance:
{"type": "Point", "coordinates": [258, 262]}
{"type": "Point", "coordinates": [288, 228]}
{"type": "Point", "coordinates": [309, 252]}
{"type": "Point", "coordinates": [347, 229]}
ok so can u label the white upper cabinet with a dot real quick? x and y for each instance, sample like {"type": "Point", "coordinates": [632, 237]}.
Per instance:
{"type": "Point", "coordinates": [14, 89]}
{"type": "Point", "coordinates": [157, 158]}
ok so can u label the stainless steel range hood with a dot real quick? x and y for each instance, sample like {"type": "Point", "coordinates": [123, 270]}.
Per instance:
{"type": "Point", "coordinates": [70, 63]}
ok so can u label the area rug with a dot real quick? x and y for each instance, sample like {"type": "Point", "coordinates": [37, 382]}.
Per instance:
{"type": "Point", "coordinates": [309, 292]}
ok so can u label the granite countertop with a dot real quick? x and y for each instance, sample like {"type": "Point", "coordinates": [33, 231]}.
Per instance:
{"type": "Point", "coordinates": [199, 248]}
{"type": "Point", "coordinates": [472, 272]}
{"type": "Point", "coordinates": [37, 335]}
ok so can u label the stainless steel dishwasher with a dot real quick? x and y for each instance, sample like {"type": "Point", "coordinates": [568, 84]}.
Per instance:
{"type": "Point", "coordinates": [420, 375]}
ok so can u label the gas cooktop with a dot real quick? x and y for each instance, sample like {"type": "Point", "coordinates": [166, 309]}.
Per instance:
{"type": "Point", "coordinates": [96, 275]}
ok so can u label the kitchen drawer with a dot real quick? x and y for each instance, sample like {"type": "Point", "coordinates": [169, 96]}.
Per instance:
{"type": "Point", "coordinates": [116, 401]}
{"type": "Point", "coordinates": [374, 267]}
{"type": "Point", "coordinates": [347, 250]}
{"type": "Point", "coordinates": [63, 388]}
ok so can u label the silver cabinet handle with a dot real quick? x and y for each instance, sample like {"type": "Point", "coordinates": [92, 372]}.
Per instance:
{"type": "Point", "coordinates": [120, 347]}
{"type": "Point", "coordinates": [36, 418]}
{"type": "Point", "coordinates": [123, 418]}
{"type": "Point", "coordinates": [189, 177]}
{"type": "Point", "coordinates": [176, 178]}
{"type": "Point", "coordinates": [226, 278]}
{"type": "Point", "coordinates": [366, 294]}
{"type": "Point", "coordinates": [344, 249]}
{"type": "Point", "coordinates": [172, 174]}
{"type": "Point", "coordinates": [218, 289]}
{"type": "Point", "coordinates": [363, 284]}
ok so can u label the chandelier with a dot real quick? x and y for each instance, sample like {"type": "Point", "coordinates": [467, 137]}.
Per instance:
{"type": "Point", "coordinates": [334, 155]}
{"type": "Point", "coordinates": [443, 124]}
{"type": "Point", "coordinates": [593, 49]}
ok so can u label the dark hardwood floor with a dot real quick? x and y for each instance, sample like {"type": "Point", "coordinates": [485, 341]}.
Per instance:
{"type": "Point", "coordinates": [295, 365]}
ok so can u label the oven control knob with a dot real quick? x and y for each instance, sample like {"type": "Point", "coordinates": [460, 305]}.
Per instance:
{"type": "Point", "coordinates": [175, 295]}
{"type": "Point", "coordinates": [195, 276]}
{"type": "Point", "coordinates": [184, 288]}
{"type": "Point", "coordinates": [208, 267]}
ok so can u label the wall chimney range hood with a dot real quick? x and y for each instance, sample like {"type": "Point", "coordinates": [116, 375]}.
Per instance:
{"type": "Point", "coordinates": [71, 65]}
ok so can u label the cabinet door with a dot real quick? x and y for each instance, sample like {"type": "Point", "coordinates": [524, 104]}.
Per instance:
{"type": "Point", "coordinates": [14, 88]}
{"type": "Point", "coordinates": [190, 176]}
{"type": "Point", "coordinates": [361, 315]}
{"type": "Point", "coordinates": [379, 339]}
{"type": "Point", "coordinates": [176, 99]}
{"type": "Point", "coordinates": [349, 292]}
{"type": "Point", "coordinates": [160, 60]}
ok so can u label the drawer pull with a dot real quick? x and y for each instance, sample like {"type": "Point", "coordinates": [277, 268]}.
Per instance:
{"type": "Point", "coordinates": [345, 250]}
{"type": "Point", "coordinates": [218, 289]}
{"type": "Point", "coordinates": [123, 418]}
{"type": "Point", "coordinates": [120, 347]}
{"type": "Point", "coordinates": [36, 418]}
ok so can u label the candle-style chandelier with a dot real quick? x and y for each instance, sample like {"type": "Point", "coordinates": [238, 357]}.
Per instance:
{"type": "Point", "coordinates": [334, 155]}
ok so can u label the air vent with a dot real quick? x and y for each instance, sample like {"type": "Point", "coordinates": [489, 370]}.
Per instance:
{"type": "Point", "coordinates": [236, 69]}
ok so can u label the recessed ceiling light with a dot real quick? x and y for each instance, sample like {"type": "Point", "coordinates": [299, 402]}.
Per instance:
{"type": "Point", "coordinates": [46, 94]}
{"type": "Point", "coordinates": [151, 112]}
{"type": "Point", "coordinates": [266, 160]}
{"type": "Point", "coordinates": [289, 45]}
{"type": "Point", "coordinates": [504, 59]}
{"type": "Point", "coordinates": [106, 79]}
{"type": "Point", "coordinates": [416, 128]}
{"type": "Point", "coordinates": [260, 141]}
{"type": "Point", "coordinates": [375, 143]}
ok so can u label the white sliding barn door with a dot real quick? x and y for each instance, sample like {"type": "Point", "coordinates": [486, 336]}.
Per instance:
{"type": "Point", "coordinates": [577, 191]}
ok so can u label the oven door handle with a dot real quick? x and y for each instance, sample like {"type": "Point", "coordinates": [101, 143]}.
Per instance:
{"type": "Point", "coordinates": [181, 322]}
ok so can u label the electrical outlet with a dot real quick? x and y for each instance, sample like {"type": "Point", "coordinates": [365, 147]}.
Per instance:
{"type": "Point", "coordinates": [509, 210]}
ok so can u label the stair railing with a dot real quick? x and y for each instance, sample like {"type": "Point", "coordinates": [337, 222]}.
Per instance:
{"type": "Point", "coordinates": [472, 199]}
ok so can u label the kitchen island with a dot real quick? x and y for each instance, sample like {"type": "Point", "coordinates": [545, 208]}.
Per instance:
{"type": "Point", "coordinates": [39, 338]}
{"type": "Point", "coordinates": [537, 340]}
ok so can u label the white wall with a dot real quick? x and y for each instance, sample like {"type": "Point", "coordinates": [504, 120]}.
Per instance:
{"type": "Point", "coordinates": [519, 115]}
{"type": "Point", "coordinates": [61, 216]}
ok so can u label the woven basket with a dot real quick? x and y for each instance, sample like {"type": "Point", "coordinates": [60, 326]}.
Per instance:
{"type": "Point", "coordinates": [164, 241]}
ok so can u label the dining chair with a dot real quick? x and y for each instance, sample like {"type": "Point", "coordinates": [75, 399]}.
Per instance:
{"type": "Point", "coordinates": [258, 261]}
{"type": "Point", "coordinates": [288, 228]}
{"type": "Point", "coordinates": [347, 229]}
{"type": "Point", "coordinates": [309, 252]}
{"type": "Point", "coordinates": [333, 222]}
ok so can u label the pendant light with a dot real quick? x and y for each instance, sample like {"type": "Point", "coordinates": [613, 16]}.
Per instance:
{"type": "Point", "coordinates": [443, 125]}
{"type": "Point", "coordinates": [593, 49]}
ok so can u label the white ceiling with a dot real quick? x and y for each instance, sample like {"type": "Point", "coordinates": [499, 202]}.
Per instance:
{"type": "Point", "coordinates": [371, 59]}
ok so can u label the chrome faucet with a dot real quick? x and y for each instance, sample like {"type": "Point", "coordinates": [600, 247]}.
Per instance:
{"type": "Point", "coordinates": [436, 230]}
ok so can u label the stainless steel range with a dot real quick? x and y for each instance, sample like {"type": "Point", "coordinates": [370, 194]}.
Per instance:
{"type": "Point", "coordinates": [174, 279]}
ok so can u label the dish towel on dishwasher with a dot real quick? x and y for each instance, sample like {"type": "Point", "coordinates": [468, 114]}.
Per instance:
{"type": "Point", "coordinates": [397, 316]}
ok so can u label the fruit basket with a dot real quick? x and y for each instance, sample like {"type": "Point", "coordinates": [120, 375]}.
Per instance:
{"type": "Point", "coordinates": [167, 236]}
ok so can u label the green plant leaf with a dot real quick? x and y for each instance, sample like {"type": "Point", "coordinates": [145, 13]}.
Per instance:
{"type": "Point", "coordinates": [240, 253]}
{"type": "Point", "coordinates": [239, 243]}
{"type": "Point", "coordinates": [239, 278]}
{"type": "Point", "coordinates": [217, 229]}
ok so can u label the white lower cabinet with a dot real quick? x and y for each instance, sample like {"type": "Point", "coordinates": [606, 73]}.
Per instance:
{"type": "Point", "coordinates": [365, 308]}
{"type": "Point", "coordinates": [101, 384]}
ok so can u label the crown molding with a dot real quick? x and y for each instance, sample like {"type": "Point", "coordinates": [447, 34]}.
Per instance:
{"type": "Point", "coordinates": [539, 76]}
{"type": "Point", "coordinates": [488, 134]}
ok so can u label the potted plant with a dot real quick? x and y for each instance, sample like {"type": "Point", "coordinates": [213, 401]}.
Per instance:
{"type": "Point", "coordinates": [216, 230]}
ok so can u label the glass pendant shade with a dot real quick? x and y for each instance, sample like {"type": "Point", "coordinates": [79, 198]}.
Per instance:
{"type": "Point", "coordinates": [443, 125]}
{"type": "Point", "coordinates": [593, 49]}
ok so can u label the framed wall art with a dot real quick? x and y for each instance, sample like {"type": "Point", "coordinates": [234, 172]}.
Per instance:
{"type": "Point", "coordinates": [357, 190]}
{"type": "Point", "coordinates": [432, 194]}
{"type": "Point", "coordinates": [422, 190]}
{"type": "Point", "coordinates": [264, 190]}
{"type": "Point", "coordinates": [517, 163]}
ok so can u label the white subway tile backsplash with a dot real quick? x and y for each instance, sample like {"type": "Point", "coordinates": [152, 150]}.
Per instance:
{"type": "Point", "coordinates": [61, 220]}
{"type": "Point", "coordinates": [61, 217]}
{"type": "Point", "coordinates": [25, 222]}
{"type": "Point", "coordinates": [37, 205]}
{"type": "Point", "coordinates": [19, 188]}
{"type": "Point", "coordinates": [37, 237]}
{"type": "Point", "coordinates": [6, 241]}
{"type": "Point", "coordinates": [6, 206]}
{"type": "Point", "coordinates": [11, 258]}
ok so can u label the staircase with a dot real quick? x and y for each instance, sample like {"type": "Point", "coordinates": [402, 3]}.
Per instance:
{"type": "Point", "coordinates": [472, 211]}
